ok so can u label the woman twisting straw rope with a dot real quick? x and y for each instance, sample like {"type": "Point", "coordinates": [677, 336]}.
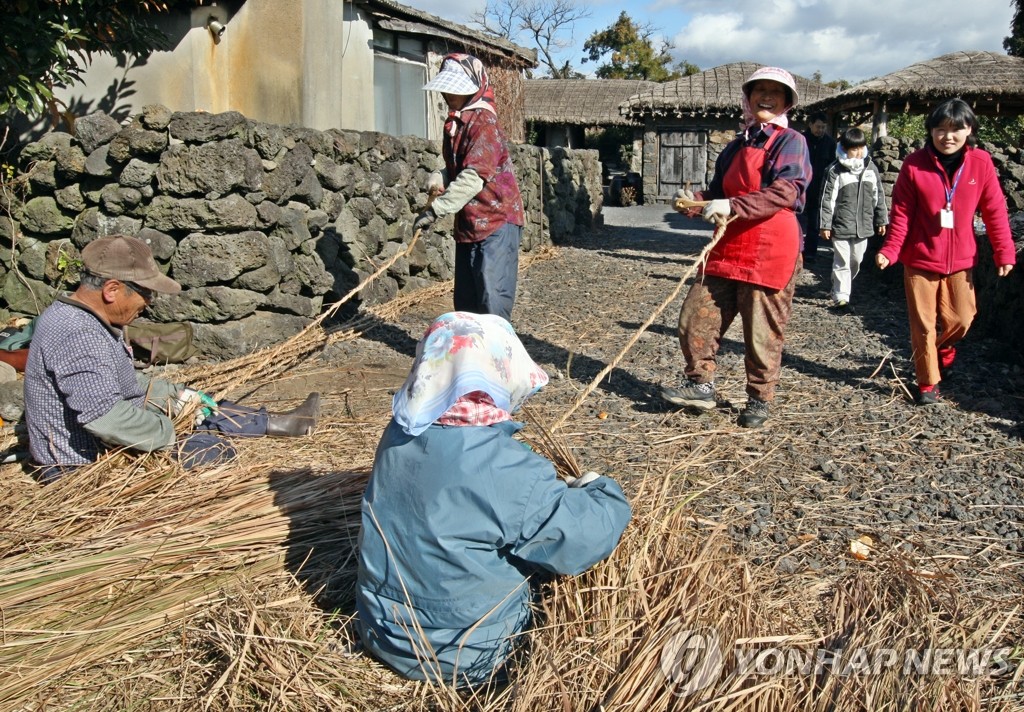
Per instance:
{"type": "Point", "coordinates": [761, 178]}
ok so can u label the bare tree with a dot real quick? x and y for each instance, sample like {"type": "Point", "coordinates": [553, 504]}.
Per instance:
{"type": "Point", "coordinates": [499, 17]}
{"type": "Point", "coordinates": [546, 24]}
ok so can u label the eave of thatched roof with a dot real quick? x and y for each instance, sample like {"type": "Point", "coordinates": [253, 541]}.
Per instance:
{"type": "Point", "coordinates": [581, 102]}
{"type": "Point", "coordinates": [990, 81]}
{"type": "Point", "coordinates": [714, 92]}
{"type": "Point", "coordinates": [402, 18]}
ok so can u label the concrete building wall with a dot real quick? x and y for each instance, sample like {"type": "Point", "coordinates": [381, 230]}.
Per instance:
{"type": "Point", "coordinates": [338, 44]}
{"type": "Point", "coordinates": [169, 77]}
{"type": "Point", "coordinates": [265, 43]}
{"type": "Point", "coordinates": [306, 62]}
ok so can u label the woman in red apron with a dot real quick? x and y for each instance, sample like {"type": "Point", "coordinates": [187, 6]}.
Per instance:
{"type": "Point", "coordinates": [761, 179]}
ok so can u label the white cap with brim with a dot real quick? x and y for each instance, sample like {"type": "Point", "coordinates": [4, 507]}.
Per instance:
{"type": "Point", "coordinates": [452, 79]}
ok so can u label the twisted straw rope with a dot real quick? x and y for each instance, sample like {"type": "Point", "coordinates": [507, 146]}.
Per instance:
{"type": "Point", "coordinates": [701, 259]}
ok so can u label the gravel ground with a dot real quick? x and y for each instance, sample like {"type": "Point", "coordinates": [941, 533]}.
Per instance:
{"type": "Point", "coordinates": [845, 451]}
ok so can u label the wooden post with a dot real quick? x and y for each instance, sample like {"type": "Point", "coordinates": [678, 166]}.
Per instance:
{"type": "Point", "coordinates": [879, 125]}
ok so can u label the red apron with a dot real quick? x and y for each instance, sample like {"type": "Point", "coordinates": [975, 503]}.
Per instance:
{"type": "Point", "coordinates": [762, 251]}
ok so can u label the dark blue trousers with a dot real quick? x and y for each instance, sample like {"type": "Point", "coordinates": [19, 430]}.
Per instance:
{"type": "Point", "coordinates": [486, 272]}
{"type": "Point", "coordinates": [204, 446]}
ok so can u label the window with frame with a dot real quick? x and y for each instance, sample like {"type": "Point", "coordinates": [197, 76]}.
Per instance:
{"type": "Point", "coordinates": [399, 73]}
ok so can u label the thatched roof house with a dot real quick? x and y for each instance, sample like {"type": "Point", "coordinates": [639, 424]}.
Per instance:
{"type": "Point", "coordinates": [560, 110]}
{"type": "Point", "coordinates": [993, 83]}
{"type": "Point", "coordinates": [581, 102]}
{"type": "Point", "coordinates": [714, 93]}
{"type": "Point", "coordinates": [688, 121]}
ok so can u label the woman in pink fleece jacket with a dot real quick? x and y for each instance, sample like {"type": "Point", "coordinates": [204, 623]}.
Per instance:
{"type": "Point", "coordinates": [931, 233]}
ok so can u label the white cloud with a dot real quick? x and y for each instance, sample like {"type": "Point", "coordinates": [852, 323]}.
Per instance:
{"type": "Point", "coordinates": [852, 41]}
{"type": "Point", "coordinates": [842, 40]}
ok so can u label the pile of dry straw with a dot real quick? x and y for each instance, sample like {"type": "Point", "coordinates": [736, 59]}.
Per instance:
{"type": "Point", "coordinates": [135, 585]}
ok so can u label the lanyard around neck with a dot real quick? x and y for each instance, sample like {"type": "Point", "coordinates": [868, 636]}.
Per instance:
{"type": "Point", "coordinates": [951, 190]}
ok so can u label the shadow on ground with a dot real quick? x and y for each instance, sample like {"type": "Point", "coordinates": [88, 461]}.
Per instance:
{"type": "Point", "coordinates": [322, 542]}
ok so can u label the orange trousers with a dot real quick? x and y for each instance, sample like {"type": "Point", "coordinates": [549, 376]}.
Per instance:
{"type": "Point", "coordinates": [941, 309]}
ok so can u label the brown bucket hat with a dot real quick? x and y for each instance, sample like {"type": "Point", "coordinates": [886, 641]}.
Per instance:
{"type": "Point", "coordinates": [126, 259]}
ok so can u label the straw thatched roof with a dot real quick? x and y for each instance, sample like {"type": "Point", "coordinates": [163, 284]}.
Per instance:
{"type": "Point", "coordinates": [394, 16]}
{"type": "Point", "coordinates": [715, 92]}
{"type": "Point", "coordinates": [993, 83]}
{"type": "Point", "coordinates": [581, 102]}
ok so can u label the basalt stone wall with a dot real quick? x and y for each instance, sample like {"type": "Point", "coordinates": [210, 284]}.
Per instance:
{"type": "Point", "coordinates": [261, 224]}
{"type": "Point", "coordinates": [1000, 300]}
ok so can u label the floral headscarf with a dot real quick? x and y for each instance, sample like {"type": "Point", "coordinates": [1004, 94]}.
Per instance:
{"type": "Point", "coordinates": [462, 354]}
{"type": "Point", "coordinates": [484, 97]}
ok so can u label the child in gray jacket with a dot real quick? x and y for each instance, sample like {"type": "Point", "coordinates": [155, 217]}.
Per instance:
{"type": "Point", "coordinates": [852, 208]}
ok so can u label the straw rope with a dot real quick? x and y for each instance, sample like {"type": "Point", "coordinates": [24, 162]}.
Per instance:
{"type": "Point", "coordinates": [701, 259]}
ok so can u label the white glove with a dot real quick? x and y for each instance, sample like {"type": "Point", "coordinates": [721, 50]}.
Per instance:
{"type": "Point", "coordinates": [717, 210]}
{"type": "Point", "coordinates": [684, 194]}
{"type": "Point", "coordinates": [583, 480]}
{"type": "Point", "coordinates": [205, 405]}
{"type": "Point", "coordinates": [435, 183]}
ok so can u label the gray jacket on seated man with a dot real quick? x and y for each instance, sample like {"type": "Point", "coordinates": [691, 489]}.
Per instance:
{"type": "Point", "coordinates": [82, 392]}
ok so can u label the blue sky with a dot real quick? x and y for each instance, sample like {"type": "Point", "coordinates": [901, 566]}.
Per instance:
{"type": "Point", "coordinates": [841, 39]}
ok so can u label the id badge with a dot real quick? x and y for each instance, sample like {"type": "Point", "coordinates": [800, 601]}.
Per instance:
{"type": "Point", "coordinates": [946, 218]}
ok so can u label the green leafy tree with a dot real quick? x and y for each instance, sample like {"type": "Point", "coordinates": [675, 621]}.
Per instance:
{"type": "Point", "coordinates": [685, 69]}
{"type": "Point", "coordinates": [631, 53]}
{"type": "Point", "coordinates": [1014, 44]}
{"type": "Point", "coordinates": [1003, 130]}
{"type": "Point", "coordinates": [907, 126]}
{"type": "Point", "coordinates": [48, 43]}
{"type": "Point", "coordinates": [839, 84]}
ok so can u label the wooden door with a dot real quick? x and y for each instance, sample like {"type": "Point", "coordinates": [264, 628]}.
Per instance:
{"type": "Point", "coordinates": [683, 159]}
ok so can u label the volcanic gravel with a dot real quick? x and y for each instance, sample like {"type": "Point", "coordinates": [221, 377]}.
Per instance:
{"type": "Point", "coordinates": [845, 451]}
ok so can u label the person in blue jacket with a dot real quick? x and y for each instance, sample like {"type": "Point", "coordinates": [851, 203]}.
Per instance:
{"type": "Point", "coordinates": [458, 516]}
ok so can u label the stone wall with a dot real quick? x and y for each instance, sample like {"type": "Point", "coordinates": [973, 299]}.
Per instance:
{"type": "Point", "coordinates": [1001, 299]}
{"type": "Point", "coordinates": [261, 224]}
{"type": "Point", "coordinates": [888, 154]}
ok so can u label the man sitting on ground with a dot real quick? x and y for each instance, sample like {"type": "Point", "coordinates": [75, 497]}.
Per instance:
{"type": "Point", "coordinates": [82, 392]}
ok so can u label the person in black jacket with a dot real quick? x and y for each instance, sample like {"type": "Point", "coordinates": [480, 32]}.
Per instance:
{"type": "Point", "coordinates": [852, 209]}
{"type": "Point", "coordinates": [821, 149]}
